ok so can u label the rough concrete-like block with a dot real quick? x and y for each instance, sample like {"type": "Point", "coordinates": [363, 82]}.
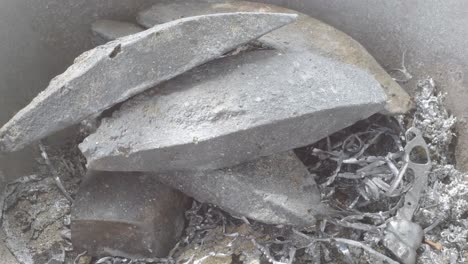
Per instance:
{"type": "Point", "coordinates": [233, 110]}
{"type": "Point", "coordinates": [306, 34]}
{"type": "Point", "coordinates": [111, 29]}
{"type": "Point", "coordinates": [128, 215]}
{"type": "Point", "coordinates": [113, 72]}
{"type": "Point", "coordinates": [277, 189]}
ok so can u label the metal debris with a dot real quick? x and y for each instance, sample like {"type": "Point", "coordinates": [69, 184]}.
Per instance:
{"type": "Point", "coordinates": [444, 207]}
{"type": "Point", "coordinates": [435, 122]}
{"type": "Point", "coordinates": [360, 245]}
{"type": "Point", "coordinates": [366, 173]}
{"type": "Point", "coordinates": [407, 76]}
{"type": "Point", "coordinates": [206, 226]}
{"type": "Point", "coordinates": [361, 191]}
{"type": "Point", "coordinates": [356, 235]}
{"type": "Point", "coordinates": [36, 213]}
{"type": "Point", "coordinates": [402, 236]}
{"type": "Point", "coordinates": [33, 219]}
{"type": "Point", "coordinates": [58, 182]}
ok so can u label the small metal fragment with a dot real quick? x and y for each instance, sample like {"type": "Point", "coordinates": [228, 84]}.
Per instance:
{"type": "Point", "coordinates": [421, 171]}
{"type": "Point", "coordinates": [402, 236]}
{"type": "Point", "coordinates": [345, 251]}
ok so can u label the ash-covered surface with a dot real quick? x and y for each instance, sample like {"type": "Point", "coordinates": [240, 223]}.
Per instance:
{"type": "Point", "coordinates": [433, 119]}
{"type": "Point", "coordinates": [355, 169]}
{"type": "Point", "coordinates": [36, 214]}
{"type": "Point", "coordinates": [444, 207]}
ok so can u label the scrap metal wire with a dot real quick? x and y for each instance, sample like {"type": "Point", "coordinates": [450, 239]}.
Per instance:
{"type": "Point", "coordinates": [434, 120]}
{"type": "Point", "coordinates": [371, 178]}
{"type": "Point", "coordinates": [403, 70]}
{"type": "Point", "coordinates": [78, 257]}
{"type": "Point", "coordinates": [57, 179]}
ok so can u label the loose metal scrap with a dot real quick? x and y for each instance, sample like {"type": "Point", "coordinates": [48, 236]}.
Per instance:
{"type": "Point", "coordinates": [113, 72]}
{"type": "Point", "coordinates": [402, 236]}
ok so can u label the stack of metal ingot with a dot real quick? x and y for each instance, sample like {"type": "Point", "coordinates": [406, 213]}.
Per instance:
{"type": "Point", "coordinates": [214, 97]}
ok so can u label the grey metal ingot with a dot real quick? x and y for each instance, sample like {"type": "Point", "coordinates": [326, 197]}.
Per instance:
{"type": "Point", "coordinates": [277, 189]}
{"type": "Point", "coordinates": [110, 29]}
{"type": "Point", "coordinates": [113, 72]}
{"type": "Point", "coordinates": [305, 35]}
{"type": "Point", "coordinates": [233, 110]}
{"type": "Point", "coordinates": [128, 215]}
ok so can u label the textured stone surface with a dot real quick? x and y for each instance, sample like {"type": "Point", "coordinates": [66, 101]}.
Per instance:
{"type": "Point", "coordinates": [111, 29]}
{"type": "Point", "coordinates": [120, 69]}
{"type": "Point", "coordinates": [5, 254]}
{"type": "Point", "coordinates": [128, 215]}
{"type": "Point", "coordinates": [306, 34]}
{"type": "Point", "coordinates": [233, 110]}
{"type": "Point", "coordinates": [277, 189]}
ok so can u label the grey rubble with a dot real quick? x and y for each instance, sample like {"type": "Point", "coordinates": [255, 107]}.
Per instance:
{"type": "Point", "coordinates": [113, 72]}
{"type": "Point", "coordinates": [128, 215]}
{"type": "Point", "coordinates": [277, 189]}
{"type": "Point", "coordinates": [110, 29]}
{"type": "Point", "coordinates": [233, 110]}
{"type": "Point", "coordinates": [306, 34]}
